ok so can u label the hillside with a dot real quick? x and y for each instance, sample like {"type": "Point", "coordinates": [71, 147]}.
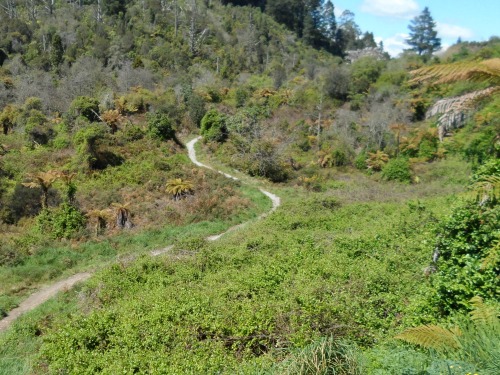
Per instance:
{"type": "Point", "coordinates": [382, 258]}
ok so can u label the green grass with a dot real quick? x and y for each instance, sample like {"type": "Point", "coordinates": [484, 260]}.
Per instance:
{"type": "Point", "coordinates": [335, 263]}
{"type": "Point", "coordinates": [309, 270]}
{"type": "Point", "coordinates": [19, 345]}
{"type": "Point", "coordinates": [57, 260]}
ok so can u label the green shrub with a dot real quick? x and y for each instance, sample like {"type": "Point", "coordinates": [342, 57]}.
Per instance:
{"type": "Point", "coordinates": [490, 168]}
{"type": "Point", "coordinates": [196, 108]}
{"type": "Point", "coordinates": [428, 148]}
{"type": "Point", "coordinates": [33, 103]}
{"type": "Point", "coordinates": [160, 126]}
{"type": "Point", "coordinates": [60, 142]}
{"type": "Point", "coordinates": [397, 169]}
{"type": "Point", "coordinates": [37, 129]}
{"type": "Point", "coordinates": [482, 147]}
{"type": "Point", "coordinates": [86, 107]}
{"type": "Point", "coordinates": [133, 133]}
{"type": "Point", "coordinates": [360, 161]}
{"type": "Point", "coordinates": [62, 222]}
{"type": "Point", "coordinates": [86, 141]}
{"type": "Point", "coordinates": [469, 256]}
{"type": "Point", "coordinates": [241, 95]}
{"type": "Point", "coordinates": [213, 126]}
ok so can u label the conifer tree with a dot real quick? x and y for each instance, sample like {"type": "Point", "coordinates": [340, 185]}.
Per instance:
{"type": "Point", "coordinates": [57, 51]}
{"type": "Point", "coordinates": [423, 35]}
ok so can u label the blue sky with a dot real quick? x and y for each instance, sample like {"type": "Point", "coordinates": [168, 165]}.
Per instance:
{"type": "Point", "coordinates": [472, 20]}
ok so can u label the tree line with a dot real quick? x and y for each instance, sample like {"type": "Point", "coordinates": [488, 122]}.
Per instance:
{"type": "Point", "coordinates": [315, 22]}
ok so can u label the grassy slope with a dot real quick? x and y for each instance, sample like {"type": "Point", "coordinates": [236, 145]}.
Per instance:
{"type": "Point", "coordinates": [311, 269]}
{"type": "Point", "coordinates": [52, 260]}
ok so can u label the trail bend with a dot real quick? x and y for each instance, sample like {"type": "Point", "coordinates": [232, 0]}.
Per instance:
{"type": "Point", "coordinates": [44, 294]}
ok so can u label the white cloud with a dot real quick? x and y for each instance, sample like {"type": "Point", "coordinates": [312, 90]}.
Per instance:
{"type": "Point", "coordinates": [395, 44]}
{"type": "Point", "coordinates": [452, 31]}
{"type": "Point", "coordinates": [444, 47]}
{"type": "Point", "coordinates": [391, 8]}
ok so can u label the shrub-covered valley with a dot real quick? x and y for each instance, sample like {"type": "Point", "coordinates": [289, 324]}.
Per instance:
{"type": "Point", "coordinates": [382, 258]}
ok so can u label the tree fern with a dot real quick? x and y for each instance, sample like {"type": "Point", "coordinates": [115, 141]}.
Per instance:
{"type": "Point", "coordinates": [179, 188]}
{"type": "Point", "coordinates": [44, 181]}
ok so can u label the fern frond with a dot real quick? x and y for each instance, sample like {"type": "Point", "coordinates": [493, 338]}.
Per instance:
{"type": "Point", "coordinates": [482, 314]}
{"type": "Point", "coordinates": [431, 336]}
{"type": "Point", "coordinates": [484, 71]}
{"type": "Point", "coordinates": [493, 257]}
{"type": "Point", "coordinates": [488, 186]}
{"type": "Point", "coordinates": [178, 187]}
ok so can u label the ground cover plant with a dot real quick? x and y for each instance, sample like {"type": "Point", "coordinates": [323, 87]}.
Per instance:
{"type": "Point", "coordinates": [382, 259]}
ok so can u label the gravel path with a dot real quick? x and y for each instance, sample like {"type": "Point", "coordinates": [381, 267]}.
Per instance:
{"type": "Point", "coordinates": [50, 291]}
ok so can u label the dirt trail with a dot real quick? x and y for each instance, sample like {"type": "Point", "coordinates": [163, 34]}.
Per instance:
{"type": "Point", "coordinates": [41, 296]}
{"type": "Point", "coordinates": [50, 291]}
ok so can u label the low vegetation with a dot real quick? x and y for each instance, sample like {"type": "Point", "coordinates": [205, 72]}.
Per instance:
{"type": "Point", "coordinates": [383, 258]}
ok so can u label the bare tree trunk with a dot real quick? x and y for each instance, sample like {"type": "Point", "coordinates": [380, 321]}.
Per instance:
{"type": "Point", "coordinates": [123, 219]}
{"type": "Point", "coordinates": [32, 10]}
{"type": "Point", "coordinates": [192, 27]}
{"type": "Point", "coordinates": [50, 5]}
{"type": "Point", "coordinates": [10, 8]}
{"type": "Point", "coordinates": [98, 16]}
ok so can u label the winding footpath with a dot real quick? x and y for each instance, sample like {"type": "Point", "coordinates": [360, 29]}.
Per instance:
{"type": "Point", "coordinates": [50, 291]}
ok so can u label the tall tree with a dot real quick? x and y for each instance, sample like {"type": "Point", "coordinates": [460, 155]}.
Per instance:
{"type": "Point", "coordinates": [423, 35]}
{"type": "Point", "coordinates": [329, 27]}
{"type": "Point", "coordinates": [313, 23]}
{"type": "Point", "coordinates": [348, 32]}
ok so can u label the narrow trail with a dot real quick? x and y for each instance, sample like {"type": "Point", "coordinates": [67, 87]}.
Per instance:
{"type": "Point", "coordinates": [50, 291]}
{"type": "Point", "coordinates": [41, 296]}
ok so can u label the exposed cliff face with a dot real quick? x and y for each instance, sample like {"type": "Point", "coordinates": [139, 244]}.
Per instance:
{"type": "Point", "coordinates": [454, 112]}
{"type": "Point", "coordinates": [375, 52]}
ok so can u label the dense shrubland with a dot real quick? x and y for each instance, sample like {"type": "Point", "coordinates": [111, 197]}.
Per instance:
{"type": "Point", "coordinates": [382, 228]}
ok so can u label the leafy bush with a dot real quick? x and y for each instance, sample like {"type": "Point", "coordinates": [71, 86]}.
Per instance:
{"type": "Point", "coordinates": [62, 222]}
{"type": "Point", "coordinates": [364, 72]}
{"type": "Point", "coordinates": [133, 133]}
{"type": "Point", "coordinates": [241, 95]}
{"type": "Point", "coordinates": [490, 168]}
{"type": "Point", "coordinates": [397, 169]}
{"type": "Point", "coordinates": [482, 147]}
{"type": "Point", "coordinates": [86, 141]}
{"type": "Point", "coordinates": [360, 161]}
{"type": "Point", "coordinates": [37, 129]}
{"type": "Point", "coordinates": [160, 126]}
{"type": "Point", "coordinates": [428, 148]}
{"type": "Point", "coordinates": [196, 108]}
{"type": "Point", "coordinates": [469, 256]}
{"type": "Point", "coordinates": [85, 106]}
{"type": "Point", "coordinates": [213, 126]}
